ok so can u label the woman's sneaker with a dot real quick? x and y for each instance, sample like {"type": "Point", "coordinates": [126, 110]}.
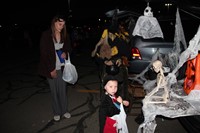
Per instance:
{"type": "Point", "coordinates": [67, 115]}
{"type": "Point", "coordinates": [56, 117]}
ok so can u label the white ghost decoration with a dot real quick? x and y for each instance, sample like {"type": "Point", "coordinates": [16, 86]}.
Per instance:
{"type": "Point", "coordinates": [148, 12]}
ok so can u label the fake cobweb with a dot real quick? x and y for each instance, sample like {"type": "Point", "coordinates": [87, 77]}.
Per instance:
{"type": "Point", "coordinates": [179, 103]}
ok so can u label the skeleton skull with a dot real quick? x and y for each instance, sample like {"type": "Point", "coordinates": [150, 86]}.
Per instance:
{"type": "Point", "coordinates": [148, 12]}
{"type": "Point", "coordinates": [157, 66]}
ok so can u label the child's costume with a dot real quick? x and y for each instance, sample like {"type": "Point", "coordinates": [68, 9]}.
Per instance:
{"type": "Point", "coordinates": [112, 117]}
{"type": "Point", "coordinates": [108, 108]}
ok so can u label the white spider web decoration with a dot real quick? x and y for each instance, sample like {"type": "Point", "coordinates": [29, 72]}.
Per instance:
{"type": "Point", "coordinates": [180, 104]}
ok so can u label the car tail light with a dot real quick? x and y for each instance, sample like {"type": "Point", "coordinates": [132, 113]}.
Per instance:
{"type": "Point", "coordinates": [136, 54]}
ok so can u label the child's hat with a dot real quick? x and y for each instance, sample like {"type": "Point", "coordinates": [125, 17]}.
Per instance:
{"type": "Point", "coordinates": [111, 77]}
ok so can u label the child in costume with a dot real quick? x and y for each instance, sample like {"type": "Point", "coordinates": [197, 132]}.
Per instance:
{"type": "Point", "coordinates": [110, 105]}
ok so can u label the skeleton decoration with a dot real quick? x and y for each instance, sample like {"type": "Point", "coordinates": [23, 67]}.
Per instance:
{"type": "Point", "coordinates": [179, 104]}
{"type": "Point", "coordinates": [154, 96]}
{"type": "Point", "coordinates": [170, 60]}
{"type": "Point", "coordinates": [147, 26]}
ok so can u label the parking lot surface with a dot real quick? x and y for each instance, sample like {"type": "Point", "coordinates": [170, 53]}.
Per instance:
{"type": "Point", "coordinates": [26, 101]}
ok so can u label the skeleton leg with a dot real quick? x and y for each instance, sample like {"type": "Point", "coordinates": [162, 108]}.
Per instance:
{"type": "Point", "coordinates": [151, 98]}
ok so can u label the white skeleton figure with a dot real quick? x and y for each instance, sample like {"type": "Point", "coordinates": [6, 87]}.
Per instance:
{"type": "Point", "coordinates": [161, 84]}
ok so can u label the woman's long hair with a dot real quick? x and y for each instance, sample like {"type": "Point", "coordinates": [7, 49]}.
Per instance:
{"type": "Point", "coordinates": [63, 31]}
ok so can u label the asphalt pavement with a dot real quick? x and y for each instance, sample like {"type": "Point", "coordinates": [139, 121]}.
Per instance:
{"type": "Point", "coordinates": [26, 101]}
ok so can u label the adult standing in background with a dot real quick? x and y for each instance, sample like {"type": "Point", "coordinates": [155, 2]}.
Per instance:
{"type": "Point", "coordinates": [53, 41]}
{"type": "Point", "coordinates": [116, 52]}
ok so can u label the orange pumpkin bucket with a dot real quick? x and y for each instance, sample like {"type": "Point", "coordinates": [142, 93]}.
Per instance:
{"type": "Point", "coordinates": [192, 80]}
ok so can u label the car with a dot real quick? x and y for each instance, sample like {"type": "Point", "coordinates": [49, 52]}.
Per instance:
{"type": "Point", "coordinates": [142, 51]}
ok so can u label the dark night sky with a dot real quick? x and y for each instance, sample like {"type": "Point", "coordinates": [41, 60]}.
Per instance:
{"type": "Point", "coordinates": [35, 12]}
{"type": "Point", "coordinates": [36, 15]}
{"type": "Point", "coordinates": [40, 13]}
{"type": "Point", "coordinates": [81, 9]}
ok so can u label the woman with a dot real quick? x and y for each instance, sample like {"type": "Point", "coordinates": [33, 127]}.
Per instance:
{"type": "Point", "coordinates": [54, 41]}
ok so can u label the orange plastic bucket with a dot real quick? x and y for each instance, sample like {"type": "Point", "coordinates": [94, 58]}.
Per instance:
{"type": "Point", "coordinates": [192, 80]}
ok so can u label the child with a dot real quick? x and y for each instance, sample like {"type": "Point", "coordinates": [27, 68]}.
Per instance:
{"type": "Point", "coordinates": [110, 104]}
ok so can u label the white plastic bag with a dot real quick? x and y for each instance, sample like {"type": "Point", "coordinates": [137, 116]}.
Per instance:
{"type": "Point", "coordinates": [70, 74]}
{"type": "Point", "coordinates": [121, 124]}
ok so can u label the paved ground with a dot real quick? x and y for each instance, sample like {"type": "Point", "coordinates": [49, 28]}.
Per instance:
{"type": "Point", "coordinates": [26, 103]}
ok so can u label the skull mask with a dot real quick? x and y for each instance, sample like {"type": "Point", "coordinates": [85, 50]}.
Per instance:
{"type": "Point", "coordinates": [157, 66]}
{"type": "Point", "coordinates": [148, 12]}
